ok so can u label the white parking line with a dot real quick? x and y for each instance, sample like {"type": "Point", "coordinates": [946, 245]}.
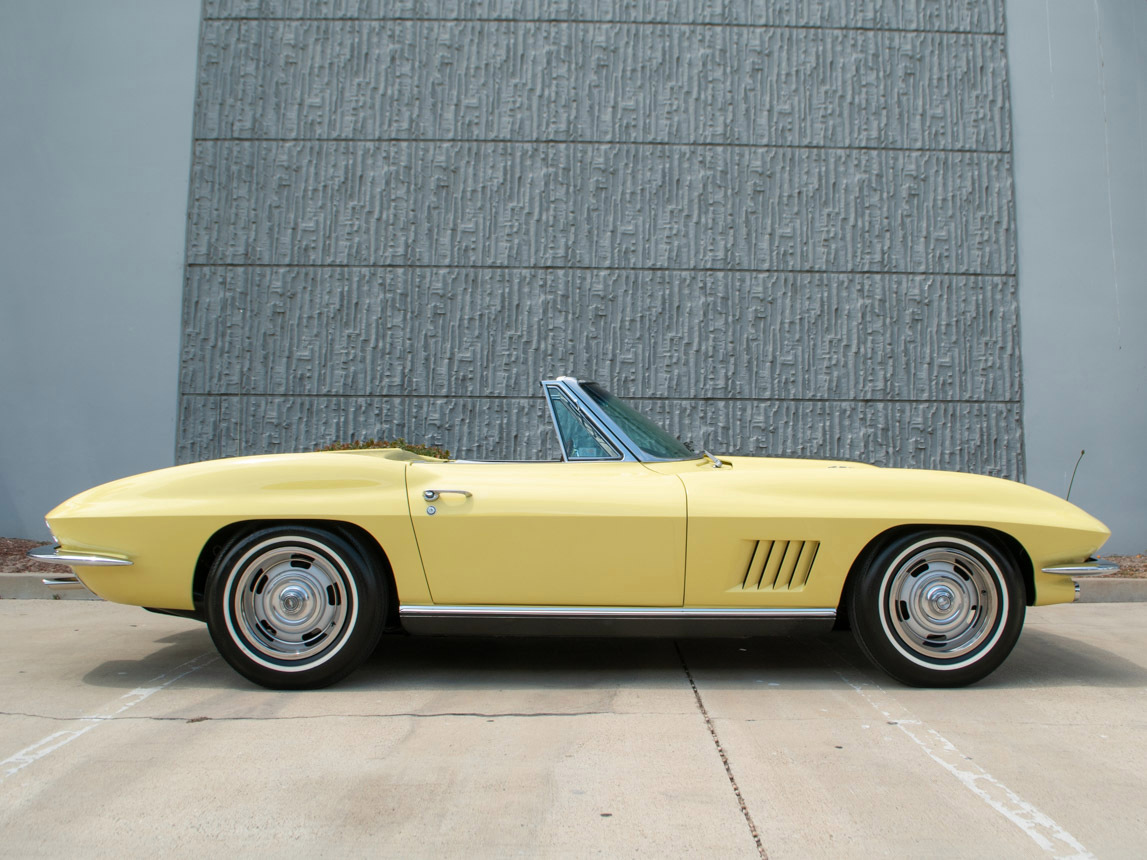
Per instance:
{"type": "Point", "coordinates": [1036, 824]}
{"type": "Point", "coordinates": [82, 725]}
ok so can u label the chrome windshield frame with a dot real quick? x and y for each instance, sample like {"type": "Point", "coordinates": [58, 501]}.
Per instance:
{"type": "Point", "coordinates": [631, 451]}
{"type": "Point", "coordinates": [578, 399]}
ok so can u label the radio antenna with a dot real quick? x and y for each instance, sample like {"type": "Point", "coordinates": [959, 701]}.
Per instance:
{"type": "Point", "coordinates": [1072, 481]}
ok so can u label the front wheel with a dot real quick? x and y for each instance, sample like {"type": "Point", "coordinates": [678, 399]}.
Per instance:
{"type": "Point", "coordinates": [938, 609]}
{"type": "Point", "coordinates": [294, 607]}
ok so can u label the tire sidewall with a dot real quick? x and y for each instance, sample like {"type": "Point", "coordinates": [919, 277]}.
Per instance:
{"type": "Point", "coordinates": [869, 607]}
{"type": "Point", "coordinates": [357, 639]}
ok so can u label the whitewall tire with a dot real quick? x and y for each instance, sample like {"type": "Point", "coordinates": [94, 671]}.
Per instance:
{"type": "Point", "coordinates": [294, 607]}
{"type": "Point", "coordinates": [938, 608]}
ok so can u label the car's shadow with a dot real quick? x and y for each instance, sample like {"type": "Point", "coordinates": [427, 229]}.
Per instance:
{"type": "Point", "coordinates": [175, 654]}
{"type": "Point", "coordinates": [1045, 659]}
{"type": "Point", "coordinates": [1040, 659]}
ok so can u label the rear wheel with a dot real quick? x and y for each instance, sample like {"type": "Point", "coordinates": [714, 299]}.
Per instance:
{"type": "Point", "coordinates": [938, 609]}
{"type": "Point", "coordinates": [294, 607]}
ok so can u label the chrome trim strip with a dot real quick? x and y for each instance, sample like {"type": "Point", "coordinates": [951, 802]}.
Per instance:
{"type": "Point", "coordinates": [63, 583]}
{"type": "Point", "coordinates": [554, 418]}
{"type": "Point", "coordinates": [567, 387]}
{"type": "Point", "coordinates": [598, 414]}
{"type": "Point", "coordinates": [1083, 568]}
{"type": "Point", "coordinates": [52, 555]}
{"type": "Point", "coordinates": [445, 611]}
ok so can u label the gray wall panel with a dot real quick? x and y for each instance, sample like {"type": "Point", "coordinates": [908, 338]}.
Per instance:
{"type": "Point", "coordinates": [902, 434]}
{"type": "Point", "coordinates": [601, 82]}
{"type": "Point", "coordinates": [215, 341]}
{"type": "Point", "coordinates": [607, 205]}
{"type": "Point", "coordinates": [229, 99]}
{"type": "Point", "coordinates": [280, 424]}
{"type": "Point", "coordinates": [462, 332]}
{"type": "Point", "coordinates": [404, 215]}
{"type": "Point", "coordinates": [221, 213]}
{"type": "Point", "coordinates": [959, 436]}
{"type": "Point", "coordinates": [979, 16]}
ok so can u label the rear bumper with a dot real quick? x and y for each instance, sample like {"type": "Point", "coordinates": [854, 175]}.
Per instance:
{"type": "Point", "coordinates": [54, 555]}
{"type": "Point", "coordinates": [69, 581]}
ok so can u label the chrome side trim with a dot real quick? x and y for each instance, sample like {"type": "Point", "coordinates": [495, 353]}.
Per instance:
{"type": "Point", "coordinates": [53, 555]}
{"type": "Point", "coordinates": [1084, 568]}
{"type": "Point", "coordinates": [603, 612]}
{"type": "Point", "coordinates": [63, 583]}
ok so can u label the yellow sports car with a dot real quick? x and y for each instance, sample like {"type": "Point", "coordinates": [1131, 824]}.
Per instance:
{"type": "Point", "coordinates": [299, 562]}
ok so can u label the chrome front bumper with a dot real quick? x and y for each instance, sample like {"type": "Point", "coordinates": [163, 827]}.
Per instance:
{"type": "Point", "coordinates": [1091, 567]}
{"type": "Point", "coordinates": [68, 582]}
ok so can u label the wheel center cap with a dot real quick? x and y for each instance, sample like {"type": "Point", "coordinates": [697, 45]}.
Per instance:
{"type": "Point", "coordinates": [293, 600]}
{"type": "Point", "coordinates": [941, 598]}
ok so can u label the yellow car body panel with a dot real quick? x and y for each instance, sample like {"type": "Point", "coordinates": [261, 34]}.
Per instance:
{"type": "Point", "coordinates": [760, 532]}
{"type": "Point", "coordinates": [550, 534]}
{"type": "Point", "coordinates": [748, 518]}
{"type": "Point", "coordinates": [162, 520]}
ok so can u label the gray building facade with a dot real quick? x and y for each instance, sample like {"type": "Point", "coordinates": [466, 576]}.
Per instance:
{"type": "Point", "coordinates": [820, 228]}
{"type": "Point", "coordinates": [404, 215]}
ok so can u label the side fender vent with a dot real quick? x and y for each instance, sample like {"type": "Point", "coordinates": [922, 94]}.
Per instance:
{"type": "Point", "coordinates": [780, 565]}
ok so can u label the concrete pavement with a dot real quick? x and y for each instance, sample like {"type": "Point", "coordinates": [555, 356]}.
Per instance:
{"type": "Point", "coordinates": [122, 732]}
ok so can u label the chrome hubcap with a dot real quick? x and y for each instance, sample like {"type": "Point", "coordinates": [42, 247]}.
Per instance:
{"type": "Point", "coordinates": [291, 601]}
{"type": "Point", "coordinates": [940, 599]}
{"type": "Point", "coordinates": [942, 602]}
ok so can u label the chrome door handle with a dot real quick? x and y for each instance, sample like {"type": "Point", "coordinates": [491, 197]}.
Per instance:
{"type": "Point", "coordinates": [431, 495]}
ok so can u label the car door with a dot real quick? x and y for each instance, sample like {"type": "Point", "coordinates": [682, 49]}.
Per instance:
{"type": "Point", "coordinates": [594, 533]}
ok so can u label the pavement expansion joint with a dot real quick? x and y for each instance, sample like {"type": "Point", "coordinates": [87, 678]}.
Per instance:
{"type": "Point", "coordinates": [721, 752]}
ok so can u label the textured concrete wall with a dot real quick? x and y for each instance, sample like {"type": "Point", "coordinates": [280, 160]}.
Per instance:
{"type": "Point", "coordinates": [403, 215]}
{"type": "Point", "coordinates": [96, 105]}
{"type": "Point", "coordinates": [1080, 83]}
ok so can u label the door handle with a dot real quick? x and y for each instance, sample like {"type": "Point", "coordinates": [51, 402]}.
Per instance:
{"type": "Point", "coordinates": [432, 495]}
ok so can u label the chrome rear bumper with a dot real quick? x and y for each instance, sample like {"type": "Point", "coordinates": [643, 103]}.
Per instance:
{"type": "Point", "coordinates": [53, 555]}
{"type": "Point", "coordinates": [69, 581]}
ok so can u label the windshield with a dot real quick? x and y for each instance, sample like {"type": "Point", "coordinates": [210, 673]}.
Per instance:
{"type": "Point", "coordinates": [652, 440]}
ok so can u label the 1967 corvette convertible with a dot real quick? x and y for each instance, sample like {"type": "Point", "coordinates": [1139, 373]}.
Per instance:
{"type": "Point", "coordinates": [299, 562]}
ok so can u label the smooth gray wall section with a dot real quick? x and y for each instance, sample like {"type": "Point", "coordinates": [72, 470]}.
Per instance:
{"type": "Point", "coordinates": [404, 215]}
{"type": "Point", "coordinates": [1079, 76]}
{"type": "Point", "coordinates": [97, 102]}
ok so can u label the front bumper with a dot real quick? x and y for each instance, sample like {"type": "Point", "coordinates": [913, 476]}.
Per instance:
{"type": "Point", "coordinates": [1091, 567]}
